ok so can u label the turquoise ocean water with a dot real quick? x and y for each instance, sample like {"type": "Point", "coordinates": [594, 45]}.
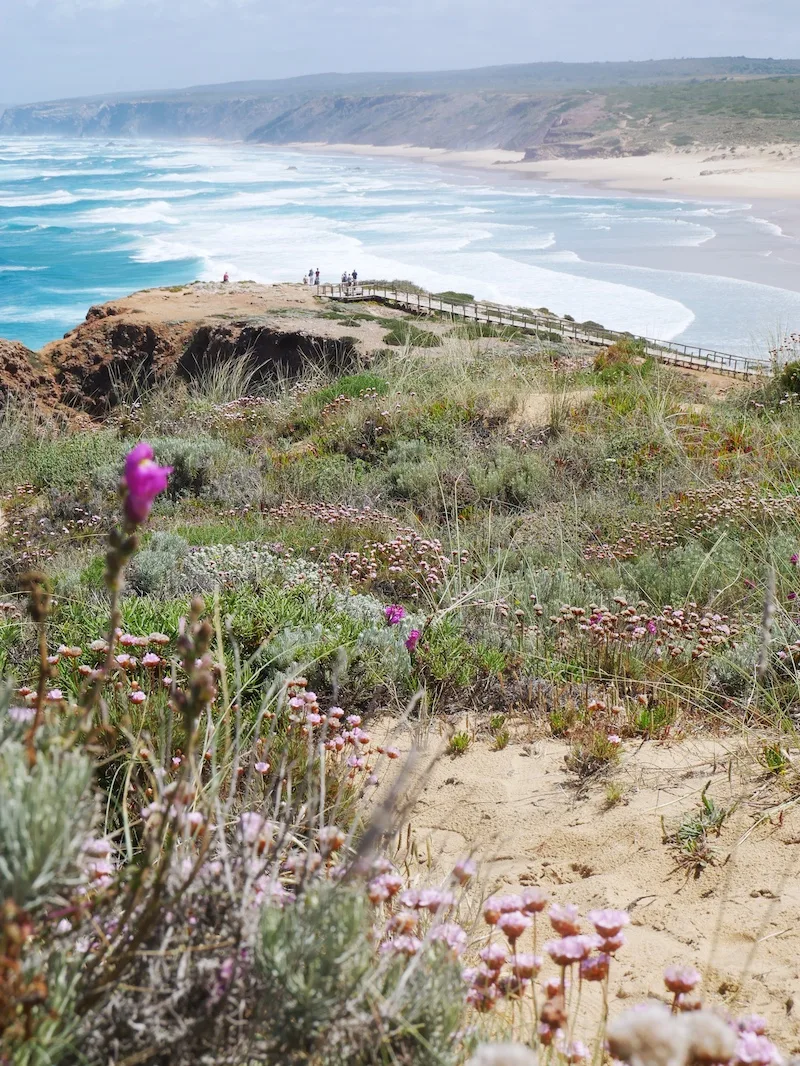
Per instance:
{"type": "Point", "coordinates": [82, 222]}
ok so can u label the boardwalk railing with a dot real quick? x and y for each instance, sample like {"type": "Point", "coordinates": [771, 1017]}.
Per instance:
{"type": "Point", "coordinates": [504, 317]}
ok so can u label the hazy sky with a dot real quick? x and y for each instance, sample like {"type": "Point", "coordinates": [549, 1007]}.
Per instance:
{"type": "Point", "coordinates": [55, 48]}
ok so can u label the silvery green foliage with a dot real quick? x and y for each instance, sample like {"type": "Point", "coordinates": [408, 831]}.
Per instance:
{"type": "Point", "coordinates": [313, 958]}
{"type": "Point", "coordinates": [54, 1038]}
{"type": "Point", "coordinates": [157, 567]}
{"type": "Point", "coordinates": [329, 1000]}
{"type": "Point", "coordinates": [46, 815]}
{"type": "Point", "coordinates": [734, 671]}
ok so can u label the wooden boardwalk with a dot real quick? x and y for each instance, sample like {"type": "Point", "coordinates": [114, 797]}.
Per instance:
{"type": "Point", "coordinates": [503, 316]}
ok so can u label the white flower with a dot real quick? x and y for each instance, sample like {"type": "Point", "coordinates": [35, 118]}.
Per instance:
{"type": "Point", "coordinates": [503, 1055]}
{"type": "Point", "coordinates": [649, 1036]}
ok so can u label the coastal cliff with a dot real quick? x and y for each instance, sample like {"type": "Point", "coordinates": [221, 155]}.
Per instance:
{"type": "Point", "coordinates": [547, 110]}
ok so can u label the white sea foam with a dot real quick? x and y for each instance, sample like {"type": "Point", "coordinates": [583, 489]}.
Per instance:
{"type": "Point", "coordinates": [765, 224]}
{"type": "Point", "coordinates": [64, 313]}
{"type": "Point", "coordinates": [60, 196]}
{"type": "Point", "coordinates": [158, 211]}
{"type": "Point", "coordinates": [9, 269]}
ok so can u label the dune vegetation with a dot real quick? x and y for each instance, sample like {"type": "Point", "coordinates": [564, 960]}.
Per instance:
{"type": "Point", "coordinates": [196, 802]}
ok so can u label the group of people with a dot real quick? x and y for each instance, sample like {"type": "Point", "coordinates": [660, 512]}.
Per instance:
{"type": "Point", "coordinates": [349, 281]}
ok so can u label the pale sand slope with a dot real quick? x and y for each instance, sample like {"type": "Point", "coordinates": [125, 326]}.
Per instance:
{"type": "Point", "coordinates": [520, 812]}
{"type": "Point", "coordinates": [746, 173]}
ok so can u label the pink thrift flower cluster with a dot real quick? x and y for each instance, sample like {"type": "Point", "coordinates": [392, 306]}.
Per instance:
{"type": "Point", "coordinates": [509, 964]}
{"type": "Point", "coordinates": [675, 633]}
{"type": "Point", "coordinates": [698, 512]}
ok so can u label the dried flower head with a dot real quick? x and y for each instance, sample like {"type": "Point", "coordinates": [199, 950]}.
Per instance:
{"type": "Point", "coordinates": [503, 1055]}
{"type": "Point", "coordinates": [649, 1036]}
{"type": "Point", "coordinates": [712, 1040]}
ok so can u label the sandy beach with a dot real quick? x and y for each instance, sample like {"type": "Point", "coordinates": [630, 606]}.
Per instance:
{"type": "Point", "coordinates": [768, 172]}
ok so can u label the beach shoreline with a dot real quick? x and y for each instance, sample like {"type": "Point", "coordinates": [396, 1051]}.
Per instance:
{"type": "Point", "coordinates": [756, 177]}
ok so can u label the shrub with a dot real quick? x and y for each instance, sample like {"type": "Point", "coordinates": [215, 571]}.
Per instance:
{"type": "Point", "coordinates": [455, 297]}
{"type": "Point", "coordinates": [789, 378]}
{"type": "Point", "coordinates": [407, 335]}
{"type": "Point", "coordinates": [507, 478]}
{"type": "Point", "coordinates": [46, 815]}
{"type": "Point", "coordinates": [157, 569]}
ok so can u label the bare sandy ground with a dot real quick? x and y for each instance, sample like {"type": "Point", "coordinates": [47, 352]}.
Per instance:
{"type": "Point", "coordinates": [527, 821]}
{"type": "Point", "coordinates": [772, 171]}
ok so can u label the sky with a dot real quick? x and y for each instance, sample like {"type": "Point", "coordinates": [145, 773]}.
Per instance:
{"type": "Point", "coordinates": [51, 49]}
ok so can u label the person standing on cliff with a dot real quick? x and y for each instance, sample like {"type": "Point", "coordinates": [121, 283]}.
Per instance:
{"type": "Point", "coordinates": [354, 276]}
{"type": "Point", "coordinates": [316, 276]}
{"type": "Point", "coordinates": [310, 275]}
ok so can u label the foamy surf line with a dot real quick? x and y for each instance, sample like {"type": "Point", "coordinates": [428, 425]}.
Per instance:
{"type": "Point", "coordinates": [173, 212]}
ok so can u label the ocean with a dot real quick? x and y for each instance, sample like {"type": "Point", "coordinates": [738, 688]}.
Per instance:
{"type": "Point", "coordinates": [82, 222]}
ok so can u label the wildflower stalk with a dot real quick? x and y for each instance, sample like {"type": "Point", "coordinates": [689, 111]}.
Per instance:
{"type": "Point", "coordinates": [39, 607]}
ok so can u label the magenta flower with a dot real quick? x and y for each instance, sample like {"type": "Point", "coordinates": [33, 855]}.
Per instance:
{"type": "Point", "coordinates": [143, 480]}
{"type": "Point", "coordinates": [795, 558]}
{"type": "Point", "coordinates": [413, 639]}
{"type": "Point", "coordinates": [394, 614]}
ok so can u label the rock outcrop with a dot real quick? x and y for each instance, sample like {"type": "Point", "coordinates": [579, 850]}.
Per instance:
{"type": "Point", "coordinates": [152, 335]}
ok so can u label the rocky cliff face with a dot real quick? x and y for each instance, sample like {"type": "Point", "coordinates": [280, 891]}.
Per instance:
{"type": "Point", "coordinates": [155, 334]}
{"type": "Point", "coordinates": [441, 120]}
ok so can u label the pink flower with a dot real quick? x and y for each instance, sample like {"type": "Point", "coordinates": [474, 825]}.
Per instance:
{"type": "Point", "coordinates": [402, 922]}
{"type": "Point", "coordinates": [261, 767]}
{"type": "Point", "coordinates": [595, 968]}
{"type": "Point", "coordinates": [752, 1023]}
{"type": "Point", "coordinates": [609, 922]}
{"type": "Point", "coordinates": [464, 870]}
{"type": "Point", "coordinates": [451, 934]}
{"type": "Point", "coordinates": [679, 979]}
{"type": "Point", "coordinates": [615, 739]}
{"type": "Point", "coordinates": [137, 697]}
{"type": "Point", "coordinates": [413, 639]}
{"type": "Point", "coordinates": [526, 965]}
{"type": "Point", "coordinates": [755, 1050]}
{"type": "Point", "coordinates": [143, 480]}
{"type": "Point", "coordinates": [534, 900]}
{"type": "Point", "coordinates": [510, 903]}
{"type": "Point", "coordinates": [403, 945]}
{"type": "Point", "coordinates": [151, 659]}
{"type": "Point", "coordinates": [513, 924]}
{"type": "Point", "coordinates": [569, 949]}
{"type": "Point", "coordinates": [431, 899]}
{"type": "Point", "coordinates": [612, 944]}
{"type": "Point", "coordinates": [493, 956]}
{"type": "Point", "coordinates": [491, 910]}
{"type": "Point", "coordinates": [55, 695]}
{"type": "Point", "coordinates": [564, 919]}
{"type": "Point", "coordinates": [394, 614]}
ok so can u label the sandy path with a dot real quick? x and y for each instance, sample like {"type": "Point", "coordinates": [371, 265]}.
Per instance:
{"type": "Point", "coordinates": [520, 812]}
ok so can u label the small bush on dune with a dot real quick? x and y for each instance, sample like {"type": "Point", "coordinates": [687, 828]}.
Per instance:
{"type": "Point", "coordinates": [407, 335]}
